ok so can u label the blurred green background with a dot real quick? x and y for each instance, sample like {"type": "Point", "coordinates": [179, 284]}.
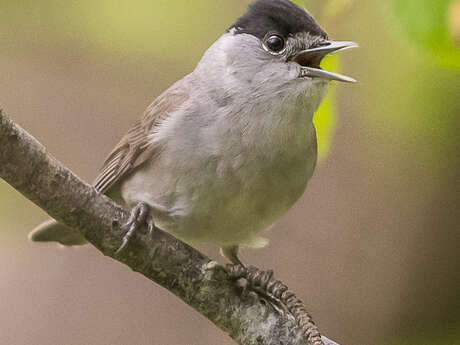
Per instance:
{"type": "Point", "coordinates": [372, 247]}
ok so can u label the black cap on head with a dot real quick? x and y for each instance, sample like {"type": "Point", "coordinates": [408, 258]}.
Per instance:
{"type": "Point", "coordinates": [282, 16]}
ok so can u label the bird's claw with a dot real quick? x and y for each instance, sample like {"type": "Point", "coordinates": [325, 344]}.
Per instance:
{"type": "Point", "coordinates": [278, 295]}
{"type": "Point", "coordinates": [150, 226]}
{"type": "Point", "coordinates": [138, 218]}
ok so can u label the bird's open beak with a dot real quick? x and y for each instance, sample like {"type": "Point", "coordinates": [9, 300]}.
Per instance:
{"type": "Point", "coordinates": [310, 61]}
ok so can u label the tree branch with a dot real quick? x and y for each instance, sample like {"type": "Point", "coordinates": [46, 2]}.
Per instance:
{"type": "Point", "coordinates": [27, 166]}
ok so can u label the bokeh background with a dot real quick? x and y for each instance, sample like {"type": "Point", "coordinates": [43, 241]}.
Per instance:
{"type": "Point", "coordinates": [372, 247]}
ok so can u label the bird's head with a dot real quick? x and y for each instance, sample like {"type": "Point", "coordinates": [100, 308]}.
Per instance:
{"type": "Point", "coordinates": [276, 42]}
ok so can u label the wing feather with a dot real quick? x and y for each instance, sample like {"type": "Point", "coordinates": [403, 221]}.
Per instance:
{"type": "Point", "coordinates": [135, 148]}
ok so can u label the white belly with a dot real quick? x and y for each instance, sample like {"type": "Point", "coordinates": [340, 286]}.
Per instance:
{"type": "Point", "coordinates": [224, 198]}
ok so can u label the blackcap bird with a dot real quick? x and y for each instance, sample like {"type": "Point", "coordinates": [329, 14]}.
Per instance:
{"type": "Point", "coordinates": [228, 149]}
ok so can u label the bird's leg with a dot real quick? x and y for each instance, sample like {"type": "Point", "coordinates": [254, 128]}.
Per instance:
{"type": "Point", "coordinates": [275, 291]}
{"type": "Point", "coordinates": [253, 280]}
{"type": "Point", "coordinates": [139, 217]}
{"type": "Point", "coordinates": [231, 253]}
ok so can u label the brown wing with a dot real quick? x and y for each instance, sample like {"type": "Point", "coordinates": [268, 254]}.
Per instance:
{"type": "Point", "coordinates": [134, 148]}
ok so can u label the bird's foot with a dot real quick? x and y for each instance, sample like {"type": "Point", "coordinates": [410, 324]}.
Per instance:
{"type": "Point", "coordinates": [139, 217]}
{"type": "Point", "coordinates": [278, 294]}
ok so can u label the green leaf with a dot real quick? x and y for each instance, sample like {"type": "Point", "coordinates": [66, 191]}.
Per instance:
{"type": "Point", "coordinates": [333, 8]}
{"type": "Point", "coordinates": [301, 3]}
{"type": "Point", "coordinates": [430, 25]}
{"type": "Point", "coordinates": [325, 119]}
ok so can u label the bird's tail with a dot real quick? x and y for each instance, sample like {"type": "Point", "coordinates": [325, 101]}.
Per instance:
{"type": "Point", "coordinates": [52, 231]}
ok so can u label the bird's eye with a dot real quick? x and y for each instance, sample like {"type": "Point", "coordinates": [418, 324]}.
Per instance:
{"type": "Point", "coordinates": [275, 43]}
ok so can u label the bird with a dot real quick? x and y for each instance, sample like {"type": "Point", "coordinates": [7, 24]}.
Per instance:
{"type": "Point", "coordinates": [227, 150]}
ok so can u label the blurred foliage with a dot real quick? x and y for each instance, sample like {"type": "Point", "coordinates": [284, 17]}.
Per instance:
{"type": "Point", "coordinates": [325, 117]}
{"type": "Point", "coordinates": [334, 8]}
{"type": "Point", "coordinates": [444, 338]}
{"type": "Point", "coordinates": [122, 28]}
{"type": "Point", "coordinates": [300, 2]}
{"type": "Point", "coordinates": [432, 26]}
{"type": "Point", "coordinates": [454, 22]}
